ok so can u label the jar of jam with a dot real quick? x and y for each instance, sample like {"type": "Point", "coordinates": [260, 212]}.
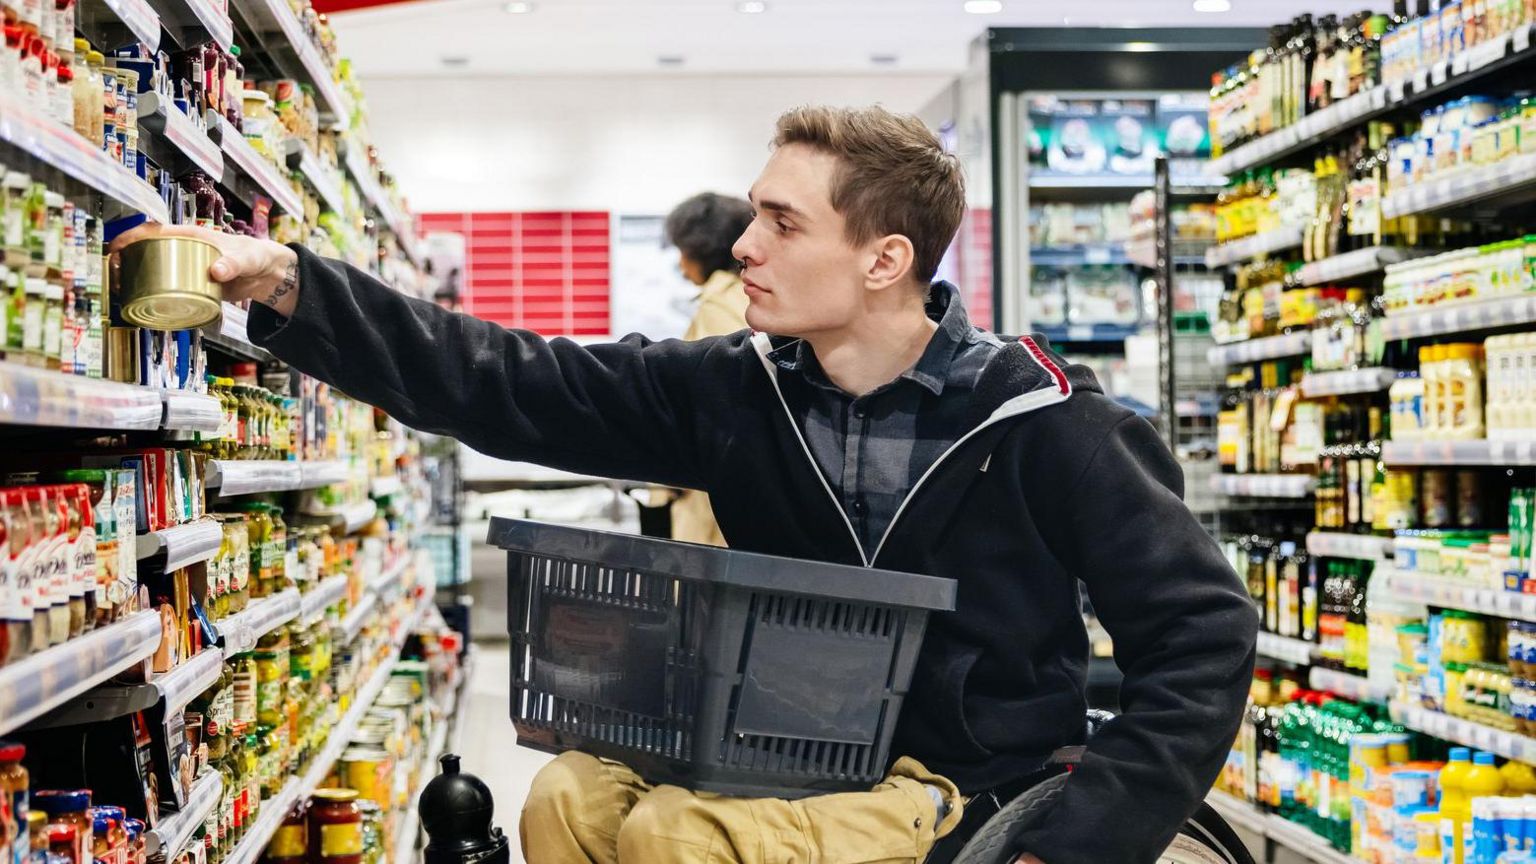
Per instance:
{"type": "Point", "coordinates": [290, 845]}
{"type": "Point", "coordinates": [14, 784]}
{"type": "Point", "coordinates": [36, 836]}
{"type": "Point", "coordinates": [64, 845]}
{"type": "Point", "coordinates": [373, 832]}
{"type": "Point", "coordinates": [335, 827]}
{"type": "Point", "coordinates": [70, 808]}
{"type": "Point", "coordinates": [138, 842]}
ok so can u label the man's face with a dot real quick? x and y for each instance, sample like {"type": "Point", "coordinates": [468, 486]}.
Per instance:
{"type": "Point", "coordinates": [801, 275]}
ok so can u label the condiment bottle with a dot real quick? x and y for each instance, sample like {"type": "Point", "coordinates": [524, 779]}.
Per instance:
{"type": "Point", "coordinates": [14, 785]}
{"type": "Point", "coordinates": [335, 827]}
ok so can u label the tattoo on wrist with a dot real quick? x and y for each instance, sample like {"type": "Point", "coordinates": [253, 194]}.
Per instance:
{"type": "Point", "coordinates": [286, 287]}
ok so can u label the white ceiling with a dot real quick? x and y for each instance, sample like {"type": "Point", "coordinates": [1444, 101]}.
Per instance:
{"type": "Point", "coordinates": [605, 37]}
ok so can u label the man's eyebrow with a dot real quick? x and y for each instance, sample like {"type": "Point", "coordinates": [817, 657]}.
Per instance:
{"type": "Point", "coordinates": [779, 207]}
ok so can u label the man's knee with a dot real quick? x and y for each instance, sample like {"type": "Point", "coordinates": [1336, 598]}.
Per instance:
{"type": "Point", "coordinates": [664, 823]}
{"type": "Point", "coordinates": [560, 786]}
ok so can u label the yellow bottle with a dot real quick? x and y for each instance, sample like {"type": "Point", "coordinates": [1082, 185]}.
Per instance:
{"type": "Point", "coordinates": [1482, 781]}
{"type": "Point", "coordinates": [1519, 778]}
{"type": "Point", "coordinates": [1455, 806]}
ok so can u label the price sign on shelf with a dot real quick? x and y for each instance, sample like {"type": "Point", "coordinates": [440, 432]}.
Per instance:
{"type": "Point", "coordinates": [1522, 38]}
{"type": "Point", "coordinates": [1438, 73]}
{"type": "Point", "coordinates": [1460, 63]}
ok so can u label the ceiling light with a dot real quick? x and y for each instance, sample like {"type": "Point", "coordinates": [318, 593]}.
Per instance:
{"type": "Point", "coordinates": [1213, 5]}
{"type": "Point", "coordinates": [752, 7]}
{"type": "Point", "coordinates": [518, 7]}
{"type": "Point", "coordinates": [670, 60]}
{"type": "Point", "coordinates": [455, 61]}
{"type": "Point", "coordinates": [883, 59]}
{"type": "Point", "coordinates": [983, 7]}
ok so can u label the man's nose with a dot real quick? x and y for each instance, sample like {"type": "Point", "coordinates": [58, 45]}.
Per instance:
{"type": "Point", "coordinates": [744, 249]}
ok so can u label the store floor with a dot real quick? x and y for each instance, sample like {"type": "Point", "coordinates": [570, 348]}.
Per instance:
{"type": "Point", "coordinates": [488, 746]}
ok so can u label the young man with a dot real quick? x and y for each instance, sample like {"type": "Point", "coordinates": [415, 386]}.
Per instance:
{"type": "Point", "coordinates": [875, 426]}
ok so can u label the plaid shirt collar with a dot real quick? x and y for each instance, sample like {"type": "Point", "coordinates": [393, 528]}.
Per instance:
{"type": "Point", "coordinates": [931, 371]}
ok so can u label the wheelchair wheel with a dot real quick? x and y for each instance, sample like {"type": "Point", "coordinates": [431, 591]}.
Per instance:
{"type": "Point", "coordinates": [1204, 839]}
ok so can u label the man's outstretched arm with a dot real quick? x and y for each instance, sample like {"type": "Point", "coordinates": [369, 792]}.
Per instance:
{"type": "Point", "coordinates": [623, 409]}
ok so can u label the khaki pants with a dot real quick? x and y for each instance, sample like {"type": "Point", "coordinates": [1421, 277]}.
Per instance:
{"type": "Point", "coordinates": [586, 810]}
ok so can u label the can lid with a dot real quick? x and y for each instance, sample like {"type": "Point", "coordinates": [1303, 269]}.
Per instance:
{"type": "Point", "coordinates": [338, 795]}
{"type": "Point", "coordinates": [61, 834]}
{"type": "Point", "coordinates": [57, 801]}
{"type": "Point", "coordinates": [10, 751]}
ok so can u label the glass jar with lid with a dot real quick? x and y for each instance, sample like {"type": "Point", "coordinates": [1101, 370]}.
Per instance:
{"type": "Point", "coordinates": [335, 827]}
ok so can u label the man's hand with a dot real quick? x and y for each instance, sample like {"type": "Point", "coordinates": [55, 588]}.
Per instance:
{"type": "Point", "coordinates": [248, 268]}
{"type": "Point", "coordinates": [1027, 858]}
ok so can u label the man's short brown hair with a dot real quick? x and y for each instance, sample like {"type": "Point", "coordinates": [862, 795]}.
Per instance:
{"type": "Point", "coordinates": [893, 178]}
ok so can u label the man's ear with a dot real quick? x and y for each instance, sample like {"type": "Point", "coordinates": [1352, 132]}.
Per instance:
{"type": "Point", "coordinates": [891, 263]}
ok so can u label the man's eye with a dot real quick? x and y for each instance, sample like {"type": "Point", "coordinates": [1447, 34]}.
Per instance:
{"type": "Point", "coordinates": [783, 228]}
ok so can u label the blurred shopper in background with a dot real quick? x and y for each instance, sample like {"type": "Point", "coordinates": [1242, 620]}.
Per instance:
{"type": "Point", "coordinates": [703, 229]}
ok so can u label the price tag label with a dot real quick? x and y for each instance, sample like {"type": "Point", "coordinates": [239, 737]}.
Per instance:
{"type": "Point", "coordinates": [1452, 319]}
{"type": "Point", "coordinates": [1080, 333]}
{"type": "Point", "coordinates": [1522, 39]}
{"type": "Point", "coordinates": [1504, 602]}
{"type": "Point", "coordinates": [1460, 63]}
{"type": "Point", "coordinates": [1420, 79]}
{"type": "Point", "coordinates": [1525, 453]}
{"type": "Point", "coordinates": [1438, 73]}
{"type": "Point", "coordinates": [1097, 255]}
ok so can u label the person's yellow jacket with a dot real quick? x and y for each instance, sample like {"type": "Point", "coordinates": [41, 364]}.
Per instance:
{"type": "Point", "coordinates": [722, 309]}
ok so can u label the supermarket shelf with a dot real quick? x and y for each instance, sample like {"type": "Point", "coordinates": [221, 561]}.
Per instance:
{"type": "Point", "coordinates": [1264, 348]}
{"type": "Point", "coordinates": [181, 685]}
{"type": "Point", "coordinates": [140, 18]}
{"type": "Point", "coordinates": [1264, 485]}
{"type": "Point", "coordinates": [175, 830]}
{"type": "Point", "coordinates": [183, 544]}
{"type": "Point", "coordinates": [321, 178]}
{"type": "Point", "coordinates": [251, 476]}
{"type": "Point", "coordinates": [1348, 381]}
{"type": "Point", "coordinates": [37, 684]}
{"type": "Point", "coordinates": [258, 169]}
{"type": "Point", "coordinates": [1355, 687]}
{"type": "Point", "coordinates": [390, 576]}
{"type": "Point", "coordinates": [1143, 253]}
{"type": "Point", "coordinates": [1469, 734]}
{"type": "Point", "coordinates": [358, 618]}
{"type": "Point", "coordinates": [1284, 648]}
{"type": "Point", "coordinates": [284, 41]}
{"type": "Point", "coordinates": [1237, 251]}
{"type": "Point", "coordinates": [1065, 334]}
{"type": "Point", "coordinates": [1282, 831]}
{"type": "Point", "coordinates": [324, 472]}
{"type": "Point", "coordinates": [1075, 256]}
{"type": "Point", "coordinates": [1512, 181]}
{"type": "Point", "coordinates": [1453, 594]}
{"type": "Point", "coordinates": [1336, 545]}
{"type": "Point", "coordinates": [1361, 262]}
{"type": "Point", "coordinates": [322, 597]}
{"type": "Point", "coordinates": [191, 412]}
{"type": "Point", "coordinates": [193, 22]}
{"type": "Point", "coordinates": [1305, 133]}
{"type": "Point", "coordinates": [55, 144]}
{"type": "Point", "coordinates": [274, 809]}
{"type": "Point", "coordinates": [231, 335]}
{"type": "Point", "coordinates": [351, 518]}
{"type": "Point", "coordinates": [1479, 451]}
{"type": "Point", "coordinates": [39, 397]}
{"type": "Point", "coordinates": [168, 121]}
{"type": "Point", "coordinates": [241, 631]}
{"type": "Point", "coordinates": [409, 829]}
{"type": "Point", "coordinates": [1462, 317]}
{"type": "Point", "coordinates": [383, 487]}
{"type": "Point", "coordinates": [356, 163]}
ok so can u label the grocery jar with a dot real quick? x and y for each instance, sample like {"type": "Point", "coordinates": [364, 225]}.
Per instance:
{"type": "Point", "coordinates": [15, 783]}
{"type": "Point", "coordinates": [96, 513]}
{"type": "Point", "coordinates": [64, 845]}
{"type": "Point", "coordinates": [35, 569]}
{"type": "Point", "coordinates": [278, 551]}
{"type": "Point", "coordinates": [290, 845]}
{"type": "Point", "coordinates": [335, 827]}
{"type": "Point", "coordinates": [69, 809]}
{"type": "Point", "coordinates": [138, 842]}
{"type": "Point", "coordinates": [373, 831]}
{"type": "Point", "coordinates": [36, 833]}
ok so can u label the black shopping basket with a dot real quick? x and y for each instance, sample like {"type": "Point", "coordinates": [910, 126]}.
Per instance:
{"type": "Point", "coordinates": [712, 669]}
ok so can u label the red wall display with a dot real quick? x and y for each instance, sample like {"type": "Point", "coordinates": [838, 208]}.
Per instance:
{"type": "Point", "coordinates": [548, 271]}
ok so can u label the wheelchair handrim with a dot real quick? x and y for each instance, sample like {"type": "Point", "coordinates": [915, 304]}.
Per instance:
{"type": "Point", "coordinates": [1188, 850]}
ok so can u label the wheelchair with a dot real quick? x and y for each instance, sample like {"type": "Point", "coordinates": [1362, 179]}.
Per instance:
{"type": "Point", "coordinates": [1205, 838]}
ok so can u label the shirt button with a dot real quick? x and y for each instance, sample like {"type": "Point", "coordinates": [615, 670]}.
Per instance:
{"type": "Point", "coordinates": [860, 506]}
{"type": "Point", "coordinates": [860, 411]}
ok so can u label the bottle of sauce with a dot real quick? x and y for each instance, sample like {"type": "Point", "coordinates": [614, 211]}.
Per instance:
{"type": "Point", "coordinates": [57, 528]}
{"type": "Point", "coordinates": [34, 569]}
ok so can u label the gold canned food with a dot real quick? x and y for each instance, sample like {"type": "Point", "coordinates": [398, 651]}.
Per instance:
{"type": "Point", "coordinates": [368, 770]}
{"type": "Point", "coordinates": [165, 284]}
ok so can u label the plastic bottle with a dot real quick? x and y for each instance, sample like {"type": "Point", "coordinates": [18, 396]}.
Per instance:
{"type": "Point", "coordinates": [1463, 390]}
{"type": "Point", "coordinates": [1495, 410]}
{"type": "Point", "coordinates": [1430, 357]}
{"type": "Point", "coordinates": [1455, 805]}
{"type": "Point", "coordinates": [1482, 781]}
{"type": "Point", "coordinates": [1407, 399]}
{"type": "Point", "coordinates": [1519, 778]}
